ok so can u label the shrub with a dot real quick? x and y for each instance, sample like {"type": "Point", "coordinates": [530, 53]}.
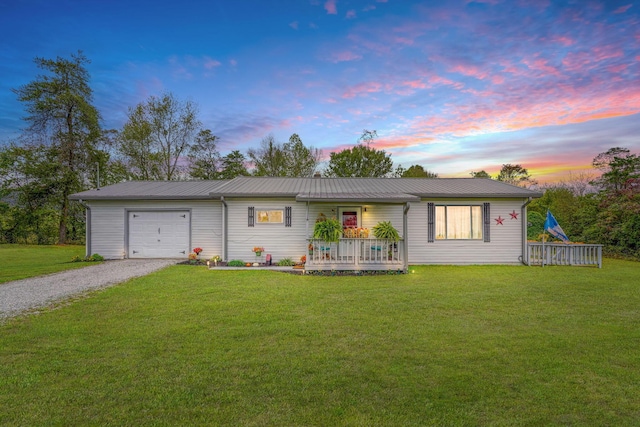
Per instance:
{"type": "Point", "coordinates": [76, 259]}
{"type": "Point", "coordinates": [285, 262]}
{"type": "Point", "coordinates": [235, 263]}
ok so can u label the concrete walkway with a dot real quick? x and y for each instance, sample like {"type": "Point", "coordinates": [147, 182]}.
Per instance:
{"type": "Point", "coordinates": [36, 292]}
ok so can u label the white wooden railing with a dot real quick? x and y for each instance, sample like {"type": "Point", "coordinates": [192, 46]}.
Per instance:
{"type": "Point", "coordinates": [355, 254]}
{"type": "Point", "coordinates": [564, 254]}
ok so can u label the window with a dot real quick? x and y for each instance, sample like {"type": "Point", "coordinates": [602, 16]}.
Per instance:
{"type": "Point", "coordinates": [270, 217]}
{"type": "Point", "coordinates": [458, 222]}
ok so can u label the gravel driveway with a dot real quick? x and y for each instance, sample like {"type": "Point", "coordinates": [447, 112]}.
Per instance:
{"type": "Point", "coordinates": [27, 294]}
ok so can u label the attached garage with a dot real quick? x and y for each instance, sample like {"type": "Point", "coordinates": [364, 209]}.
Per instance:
{"type": "Point", "coordinates": [159, 234]}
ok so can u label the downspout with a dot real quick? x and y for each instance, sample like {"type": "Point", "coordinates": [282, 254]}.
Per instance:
{"type": "Point", "coordinates": [405, 235]}
{"type": "Point", "coordinates": [306, 232]}
{"type": "Point", "coordinates": [87, 233]}
{"type": "Point", "coordinates": [224, 228]}
{"type": "Point", "coordinates": [524, 258]}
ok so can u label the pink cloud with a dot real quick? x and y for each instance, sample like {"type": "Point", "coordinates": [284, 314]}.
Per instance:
{"type": "Point", "coordinates": [344, 56]}
{"type": "Point", "coordinates": [369, 8]}
{"type": "Point", "coordinates": [541, 64]}
{"type": "Point", "coordinates": [563, 40]}
{"type": "Point", "coordinates": [559, 107]}
{"type": "Point", "coordinates": [362, 89]}
{"type": "Point", "coordinates": [330, 7]}
{"type": "Point", "coordinates": [606, 52]}
{"type": "Point", "coordinates": [351, 14]}
{"type": "Point", "coordinates": [294, 25]}
{"type": "Point", "coordinates": [622, 9]}
{"type": "Point", "coordinates": [615, 69]}
{"type": "Point", "coordinates": [415, 84]}
{"type": "Point", "coordinates": [469, 70]}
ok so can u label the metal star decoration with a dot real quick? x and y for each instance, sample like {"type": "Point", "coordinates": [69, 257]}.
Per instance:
{"type": "Point", "coordinates": [499, 220]}
{"type": "Point", "coordinates": [514, 215]}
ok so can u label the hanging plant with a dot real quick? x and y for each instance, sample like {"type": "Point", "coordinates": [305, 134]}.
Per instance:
{"type": "Point", "coordinates": [386, 230]}
{"type": "Point", "coordinates": [329, 230]}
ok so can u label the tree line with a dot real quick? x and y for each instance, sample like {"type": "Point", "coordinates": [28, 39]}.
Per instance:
{"type": "Point", "coordinates": [63, 150]}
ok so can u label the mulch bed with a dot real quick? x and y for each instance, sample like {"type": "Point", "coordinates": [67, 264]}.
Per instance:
{"type": "Point", "coordinates": [300, 271]}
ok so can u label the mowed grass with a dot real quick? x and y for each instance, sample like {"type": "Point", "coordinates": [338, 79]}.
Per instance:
{"type": "Point", "coordinates": [446, 346]}
{"type": "Point", "coordinates": [22, 261]}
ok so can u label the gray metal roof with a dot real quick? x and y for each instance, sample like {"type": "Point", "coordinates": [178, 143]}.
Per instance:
{"type": "Point", "coordinates": [152, 190]}
{"type": "Point", "coordinates": [381, 187]}
{"type": "Point", "coordinates": [361, 197]}
{"type": "Point", "coordinates": [381, 190]}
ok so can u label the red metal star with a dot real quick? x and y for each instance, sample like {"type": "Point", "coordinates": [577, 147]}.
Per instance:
{"type": "Point", "coordinates": [514, 215]}
{"type": "Point", "coordinates": [499, 220]}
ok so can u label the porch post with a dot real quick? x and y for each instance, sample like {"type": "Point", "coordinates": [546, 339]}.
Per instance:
{"type": "Point", "coordinates": [405, 235]}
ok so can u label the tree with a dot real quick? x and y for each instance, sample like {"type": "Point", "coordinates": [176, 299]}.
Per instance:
{"type": "Point", "coordinates": [301, 160]}
{"type": "Point", "coordinates": [269, 159]}
{"type": "Point", "coordinates": [30, 183]}
{"type": "Point", "coordinates": [293, 159]}
{"type": "Point", "coordinates": [204, 158]}
{"type": "Point", "coordinates": [156, 135]}
{"type": "Point", "coordinates": [619, 167]}
{"type": "Point", "coordinates": [579, 183]}
{"type": "Point", "coordinates": [233, 165]}
{"type": "Point", "coordinates": [368, 136]}
{"type": "Point", "coordinates": [361, 160]}
{"type": "Point", "coordinates": [480, 174]}
{"type": "Point", "coordinates": [515, 175]}
{"type": "Point", "coordinates": [417, 171]}
{"type": "Point", "coordinates": [62, 119]}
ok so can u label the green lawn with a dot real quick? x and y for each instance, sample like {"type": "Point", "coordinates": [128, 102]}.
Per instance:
{"type": "Point", "coordinates": [22, 261]}
{"type": "Point", "coordinates": [446, 346]}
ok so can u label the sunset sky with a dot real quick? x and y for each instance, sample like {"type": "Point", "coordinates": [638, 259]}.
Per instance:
{"type": "Point", "coordinates": [456, 86]}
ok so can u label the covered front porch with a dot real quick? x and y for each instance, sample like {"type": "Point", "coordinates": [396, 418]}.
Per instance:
{"type": "Point", "coordinates": [358, 248]}
{"type": "Point", "coordinates": [356, 254]}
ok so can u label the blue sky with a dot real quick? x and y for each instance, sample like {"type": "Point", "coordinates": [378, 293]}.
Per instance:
{"type": "Point", "coordinates": [456, 86]}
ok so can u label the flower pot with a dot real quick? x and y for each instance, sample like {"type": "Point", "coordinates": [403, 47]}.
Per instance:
{"type": "Point", "coordinates": [258, 253]}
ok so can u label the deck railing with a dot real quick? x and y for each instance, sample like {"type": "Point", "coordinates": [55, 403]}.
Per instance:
{"type": "Point", "coordinates": [355, 254]}
{"type": "Point", "coordinates": [564, 254]}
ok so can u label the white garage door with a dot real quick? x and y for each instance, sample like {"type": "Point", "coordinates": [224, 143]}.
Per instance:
{"type": "Point", "coordinates": [159, 234]}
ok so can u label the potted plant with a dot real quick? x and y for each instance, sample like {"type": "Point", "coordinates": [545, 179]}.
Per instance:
{"type": "Point", "coordinates": [328, 229]}
{"type": "Point", "coordinates": [258, 250]}
{"type": "Point", "coordinates": [386, 230]}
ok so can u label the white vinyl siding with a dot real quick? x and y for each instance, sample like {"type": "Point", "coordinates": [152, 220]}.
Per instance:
{"type": "Point", "coordinates": [278, 239]}
{"type": "Point", "coordinates": [108, 224]}
{"type": "Point", "coordinates": [505, 246]}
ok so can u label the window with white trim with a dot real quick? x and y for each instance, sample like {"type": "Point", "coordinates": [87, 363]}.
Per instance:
{"type": "Point", "coordinates": [455, 222]}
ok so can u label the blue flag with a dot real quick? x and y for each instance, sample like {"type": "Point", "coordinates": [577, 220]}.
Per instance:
{"type": "Point", "coordinates": [552, 226]}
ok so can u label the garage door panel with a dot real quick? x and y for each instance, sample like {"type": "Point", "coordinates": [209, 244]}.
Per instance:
{"type": "Point", "coordinates": [159, 234]}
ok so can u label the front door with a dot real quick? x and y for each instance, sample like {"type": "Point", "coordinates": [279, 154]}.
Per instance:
{"type": "Point", "coordinates": [351, 218]}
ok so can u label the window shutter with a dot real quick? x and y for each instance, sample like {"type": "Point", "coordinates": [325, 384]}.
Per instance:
{"type": "Point", "coordinates": [287, 216]}
{"type": "Point", "coordinates": [486, 213]}
{"type": "Point", "coordinates": [252, 216]}
{"type": "Point", "coordinates": [431, 222]}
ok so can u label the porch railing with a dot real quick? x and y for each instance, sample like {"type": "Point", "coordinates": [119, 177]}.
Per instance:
{"type": "Point", "coordinates": [355, 254]}
{"type": "Point", "coordinates": [564, 254]}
